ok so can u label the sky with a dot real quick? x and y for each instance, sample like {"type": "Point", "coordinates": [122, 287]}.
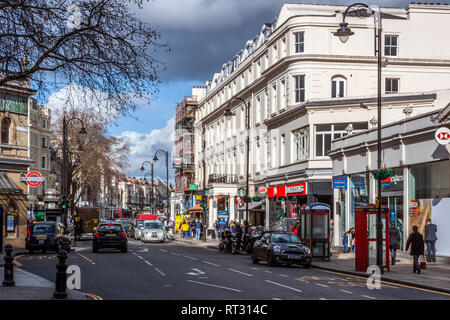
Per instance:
{"type": "Point", "coordinates": [202, 36]}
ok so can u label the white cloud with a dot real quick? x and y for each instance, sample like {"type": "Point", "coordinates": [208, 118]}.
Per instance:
{"type": "Point", "coordinates": [74, 97]}
{"type": "Point", "coordinates": [144, 145]}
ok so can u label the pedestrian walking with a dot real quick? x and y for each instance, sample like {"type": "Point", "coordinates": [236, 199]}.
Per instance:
{"type": "Point", "coordinates": [345, 242]}
{"type": "Point", "coordinates": [216, 229]}
{"type": "Point", "coordinates": [198, 229]}
{"type": "Point", "coordinates": [352, 232]}
{"type": "Point", "coordinates": [192, 228]}
{"type": "Point", "coordinates": [331, 233]}
{"type": "Point", "coordinates": [394, 241]}
{"type": "Point", "coordinates": [184, 229]}
{"type": "Point", "coordinates": [430, 239]}
{"type": "Point", "coordinates": [222, 224]}
{"type": "Point", "coordinates": [415, 240]}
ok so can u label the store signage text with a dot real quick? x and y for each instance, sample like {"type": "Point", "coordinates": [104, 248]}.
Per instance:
{"type": "Point", "coordinates": [340, 182]}
{"type": "Point", "coordinates": [33, 179]}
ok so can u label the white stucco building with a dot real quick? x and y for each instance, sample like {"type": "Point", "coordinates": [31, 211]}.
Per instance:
{"type": "Point", "coordinates": [304, 89]}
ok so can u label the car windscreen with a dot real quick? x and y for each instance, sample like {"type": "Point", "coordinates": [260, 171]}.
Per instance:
{"type": "Point", "coordinates": [44, 228]}
{"type": "Point", "coordinates": [153, 225]}
{"type": "Point", "coordinates": [284, 238]}
{"type": "Point", "coordinates": [115, 228]}
{"type": "Point", "coordinates": [139, 222]}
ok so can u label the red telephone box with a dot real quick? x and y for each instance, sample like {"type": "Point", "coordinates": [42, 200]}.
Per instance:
{"type": "Point", "coordinates": [366, 237]}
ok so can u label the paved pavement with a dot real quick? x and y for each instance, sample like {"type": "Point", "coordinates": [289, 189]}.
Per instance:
{"type": "Point", "coordinates": [435, 277]}
{"type": "Point", "coordinates": [182, 271]}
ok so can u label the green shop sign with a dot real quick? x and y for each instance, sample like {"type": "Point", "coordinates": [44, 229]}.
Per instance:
{"type": "Point", "coordinates": [39, 215]}
{"type": "Point", "coordinates": [193, 187]}
{"type": "Point", "coordinates": [14, 104]}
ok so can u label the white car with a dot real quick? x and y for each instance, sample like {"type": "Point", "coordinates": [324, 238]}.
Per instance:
{"type": "Point", "coordinates": [153, 231]}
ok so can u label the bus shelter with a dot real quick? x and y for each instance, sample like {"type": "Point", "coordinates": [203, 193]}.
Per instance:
{"type": "Point", "coordinates": [315, 228]}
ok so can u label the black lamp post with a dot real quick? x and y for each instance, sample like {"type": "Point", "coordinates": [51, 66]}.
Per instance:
{"type": "Point", "coordinates": [65, 172]}
{"type": "Point", "coordinates": [155, 159]}
{"type": "Point", "coordinates": [362, 11]}
{"type": "Point", "coordinates": [228, 114]}
{"type": "Point", "coordinates": [143, 169]}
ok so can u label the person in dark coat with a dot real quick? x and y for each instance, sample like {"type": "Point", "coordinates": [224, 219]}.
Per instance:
{"type": "Point", "coordinates": [430, 239]}
{"type": "Point", "coordinates": [415, 239]}
{"type": "Point", "coordinates": [394, 241]}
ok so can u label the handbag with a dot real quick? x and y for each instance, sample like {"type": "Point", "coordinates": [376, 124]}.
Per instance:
{"type": "Point", "coordinates": [423, 264]}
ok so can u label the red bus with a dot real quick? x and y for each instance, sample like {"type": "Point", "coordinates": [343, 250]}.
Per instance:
{"type": "Point", "coordinates": [122, 214]}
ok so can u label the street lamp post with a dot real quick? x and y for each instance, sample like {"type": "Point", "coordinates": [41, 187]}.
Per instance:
{"type": "Point", "coordinates": [228, 114]}
{"type": "Point", "coordinates": [65, 171]}
{"type": "Point", "coordinates": [153, 194]}
{"type": "Point", "coordinates": [155, 159]}
{"type": "Point", "coordinates": [344, 33]}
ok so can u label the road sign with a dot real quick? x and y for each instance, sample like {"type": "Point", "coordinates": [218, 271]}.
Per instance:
{"type": "Point", "coordinates": [241, 192]}
{"type": "Point", "coordinates": [193, 187]}
{"type": "Point", "coordinates": [198, 197]}
{"type": "Point", "coordinates": [442, 135]}
{"type": "Point", "coordinates": [33, 179]}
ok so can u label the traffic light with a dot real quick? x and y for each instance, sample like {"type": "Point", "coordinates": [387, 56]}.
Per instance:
{"type": "Point", "coordinates": [63, 202]}
{"type": "Point", "coordinates": [204, 204]}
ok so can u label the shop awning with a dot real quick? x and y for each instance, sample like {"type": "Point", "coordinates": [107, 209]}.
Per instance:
{"type": "Point", "coordinates": [253, 206]}
{"type": "Point", "coordinates": [195, 209]}
{"type": "Point", "coordinates": [7, 185]}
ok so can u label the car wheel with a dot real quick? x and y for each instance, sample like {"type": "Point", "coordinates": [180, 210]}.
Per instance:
{"type": "Point", "coordinates": [31, 251]}
{"type": "Point", "coordinates": [94, 250]}
{"type": "Point", "coordinates": [162, 241]}
{"type": "Point", "coordinates": [44, 251]}
{"type": "Point", "coordinates": [255, 260]}
{"type": "Point", "coordinates": [124, 250]}
{"type": "Point", "coordinates": [270, 260]}
{"type": "Point", "coordinates": [307, 266]}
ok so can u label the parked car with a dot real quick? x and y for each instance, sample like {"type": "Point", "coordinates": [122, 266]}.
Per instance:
{"type": "Point", "coordinates": [153, 231]}
{"type": "Point", "coordinates": [278, 247]}
{"type": "Point", "coordinates": [110, 235]}
{"type": "Point", "coordinates": [49, 235]}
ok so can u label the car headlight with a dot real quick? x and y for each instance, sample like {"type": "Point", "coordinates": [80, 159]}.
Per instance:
{"type": "Point", "coordinates": [276, 249]}
{"type": "Point", "coordinates": [307, 251]}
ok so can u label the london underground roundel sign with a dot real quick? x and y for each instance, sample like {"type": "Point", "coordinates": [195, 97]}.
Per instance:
{"type": "Point", "coordinates": [442, 135]}
{"type": "Point", "coordinates": [33, 179]}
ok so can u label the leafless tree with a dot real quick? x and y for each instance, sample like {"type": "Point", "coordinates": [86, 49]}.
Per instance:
{"type": "Point", "coordinates": [99, 45]}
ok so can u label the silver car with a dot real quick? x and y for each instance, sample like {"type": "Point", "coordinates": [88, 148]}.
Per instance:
{"type": "Point", "coordinates": [153, 231]}
{"type": "Point", "coordinates": [138, 229]}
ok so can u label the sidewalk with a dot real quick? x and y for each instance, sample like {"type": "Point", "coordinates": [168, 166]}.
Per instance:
{"type": "Point", "coordinates": [33, 287]}
{"type": "Point", "coordinates": [435, 277]}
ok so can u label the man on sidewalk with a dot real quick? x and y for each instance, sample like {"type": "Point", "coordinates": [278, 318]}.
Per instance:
{"type": "Point", "coordinates": [394, 241]}
{"type": "Point", "coordinates": [198, 229]}
{"type": "Point", "coordinates": [430, 239]}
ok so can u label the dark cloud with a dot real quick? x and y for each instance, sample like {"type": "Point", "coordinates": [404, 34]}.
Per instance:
{"type": "Point", "coordinates": [204, 34]}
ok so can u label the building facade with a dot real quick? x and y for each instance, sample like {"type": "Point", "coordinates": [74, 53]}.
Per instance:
{"type": "Point", "coordinates": [419, 186]}
{"type": "Point", "coordinates": [15, 101]}
{"type": "Point", "coordinates": [304, 88]}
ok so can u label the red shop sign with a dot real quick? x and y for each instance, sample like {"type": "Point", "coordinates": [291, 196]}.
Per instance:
{"type": "Point", "coordinates": [279, 191]}
{"type": "Point", "coordinates": [298, 189]}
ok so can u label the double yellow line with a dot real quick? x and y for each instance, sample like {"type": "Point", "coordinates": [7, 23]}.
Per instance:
{"type": "Point", "coordinates": [93, 296]}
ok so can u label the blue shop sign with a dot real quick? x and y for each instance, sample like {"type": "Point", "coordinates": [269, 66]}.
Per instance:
{"type": "Point", "coordinates": [358, 182]}
{"type": "Point", "coordinates": [393, 216]}
{"type": "Point", "coordinates": [340, 182]}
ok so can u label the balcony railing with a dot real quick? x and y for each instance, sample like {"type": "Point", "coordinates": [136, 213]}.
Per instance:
{"type": "Point", "coordinates": [223, 178]}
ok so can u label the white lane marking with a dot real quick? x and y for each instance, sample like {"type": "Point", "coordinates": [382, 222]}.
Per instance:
{"type": "Point", "coordinates": [163, 250]}
{"type": "Point", "coordinates": [276, 299]}
{"type": "Point", "coordinates": [213, 285]}
{"type": "Point", "coordinates": [322, 299]}
{"type": "Point", "coordinates": [135, 253]}
{"type": "Point", "coordinates": [213, 264]}
{"type": "Point", "coordinates": [140, 257]}
{"type": "Point", "coordinates": [148, 263]}
{"type": "Point", "coordinates": [196, 273]}
{"type": "Point", "coordinates": [240, 272]}
{"type": "Point", "coordinates": [167, 285]}
{"type": "Point", "coordinates": [175, 254]}
{"type": "Point", "coordinates": [192, 258]}
{"type": "Point", "coordinates": [282, 285]}
{"type": "Point", "coordinates": [160, 272]}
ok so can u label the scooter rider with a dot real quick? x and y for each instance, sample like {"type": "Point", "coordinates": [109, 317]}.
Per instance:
{"type": "Point", "coordinates": [239, 233]}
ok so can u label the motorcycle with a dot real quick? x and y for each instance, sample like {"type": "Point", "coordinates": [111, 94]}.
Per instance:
{"type": "Point", "coordinates": [234, 243]}
{"type": "Point", "coordinates": [170, 235]}
{"type": "Point", "coordinates": [225, 243]}
{"type": "Point", "coordinates": [251, 242]}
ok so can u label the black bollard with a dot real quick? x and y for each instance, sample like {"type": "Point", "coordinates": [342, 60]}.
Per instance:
{"type": "Point", "coordinates": [61, 276]}
{"type": "Point", "coordinates": [8, 280]}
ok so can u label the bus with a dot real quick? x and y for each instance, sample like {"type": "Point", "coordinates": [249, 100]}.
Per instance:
{"type": "Point", "coordinates": [123, 214]}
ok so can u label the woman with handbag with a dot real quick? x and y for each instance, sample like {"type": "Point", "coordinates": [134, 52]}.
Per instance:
{"type": "Point", "coordinates": [415, 239]}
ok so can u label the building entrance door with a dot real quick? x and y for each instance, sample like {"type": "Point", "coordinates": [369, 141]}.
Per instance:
{"type": "Point", "coordinates": [394, 203]}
